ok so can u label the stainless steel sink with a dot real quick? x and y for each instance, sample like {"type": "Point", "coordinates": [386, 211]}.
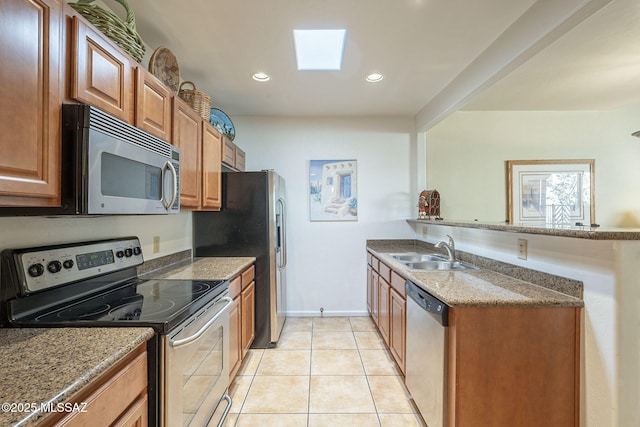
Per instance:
{"type": "Point", "coordinates": [430, 261]}
{"type": "Point", "coordinates": [440, 265]}
{"type": "Point", "coordinates": [418, 257]}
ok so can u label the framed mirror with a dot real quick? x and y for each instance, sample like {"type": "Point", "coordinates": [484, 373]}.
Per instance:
{"type": "Point", "coordinates": [550, 192]}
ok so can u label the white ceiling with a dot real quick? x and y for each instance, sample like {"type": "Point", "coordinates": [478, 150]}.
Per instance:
{"type": "Point", "coordinates": [437, 56]}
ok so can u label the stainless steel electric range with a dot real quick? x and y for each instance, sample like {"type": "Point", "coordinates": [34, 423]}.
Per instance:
{"type": "Point", "coordinates": [90, 284]}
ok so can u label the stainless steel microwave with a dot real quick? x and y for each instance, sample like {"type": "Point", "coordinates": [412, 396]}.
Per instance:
{"type": "Point", "coordinates": [111, 167]}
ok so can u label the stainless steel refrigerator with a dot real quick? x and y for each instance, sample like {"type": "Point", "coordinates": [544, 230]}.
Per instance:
{"type": "Point", "coordinates": [252, 222]}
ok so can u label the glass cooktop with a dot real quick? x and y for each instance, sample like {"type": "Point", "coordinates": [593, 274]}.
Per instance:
{"type": "Point", "coordinates": [161, 304]}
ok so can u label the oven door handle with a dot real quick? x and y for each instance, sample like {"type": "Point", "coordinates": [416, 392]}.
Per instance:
{"type": "Point", "coordinates": [190, 339]}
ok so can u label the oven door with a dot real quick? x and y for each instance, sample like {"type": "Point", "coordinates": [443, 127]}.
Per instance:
{"type": "Point", "coordinates": [196, 366]}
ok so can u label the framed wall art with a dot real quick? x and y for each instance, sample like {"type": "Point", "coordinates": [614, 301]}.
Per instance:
{"type": "Point", "coordinates": [333, 193]}
{"type": "Point", "coordinates": [553, 192]}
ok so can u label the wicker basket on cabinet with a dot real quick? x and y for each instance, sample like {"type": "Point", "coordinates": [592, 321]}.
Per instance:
{"type": "Point", "coordinates": [198, 100]}
{"type": "Point", "coordinates": [123, 33]}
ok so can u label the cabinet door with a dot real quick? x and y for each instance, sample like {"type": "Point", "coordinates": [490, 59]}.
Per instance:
{"type": "Point", "coordinates": [187, 136]}
{"type": "Point", "coordinates": [136, 415]}
{"type": "Point", "coordinates": [383, 309]}
{"type": "Point", "coordinates": [241, 158]}
{"type": "Point", "coordinates": [102, 75]}
{"type": "Point", "coordinates": [397, 328]}
{"type": "Point", "coordinates": [248, 324]}
{"type": "Point", "coordinates": [228, 152]}
{"type": "Point", "coordinates": [30, 53]}
{"type": "Point", "coordinates": [374, 296]}
{"type": "Point", "coordinates": [153, 105]}
{"type": "Point", "coordinates": [211, 168]}
{"type": "Point", "coordinates": [235, 350]}
{"type": "Point", "coordinates": [369, 289]}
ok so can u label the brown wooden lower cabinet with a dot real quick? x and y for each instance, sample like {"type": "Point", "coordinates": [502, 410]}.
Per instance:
{"type": "Point", "coordinates": [397, 326]}
{"type": "Point", "coordinates": [242, 317]}
{"type": "Point", "coordinates": [506, 366]}
{"type": "Point", "coordinates": [117, 398]}
{"type": "Point", "coordinates": [383, 309]}
{"type": "Point", "coordinates": [387, 305]}
{"type": "Point", "coordinates": [512, 366]}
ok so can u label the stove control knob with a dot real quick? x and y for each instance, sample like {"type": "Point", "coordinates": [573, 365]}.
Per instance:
{"type": "Point", "coordinates": [137, 251]}
{"type": "Point", "coordinates": [120, 254]}
{"type": "Point", "coordinates": [54, 267]}
{"type": "Point", "coordinates": [68, 264]}
{"type": "Point", "coordinates": [36, 270]}
{"type": "Point", "coordinates": [128, 252]}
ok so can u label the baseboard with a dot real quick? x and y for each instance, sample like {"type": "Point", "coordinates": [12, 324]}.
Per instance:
{"type": "Point", "coordinates": [327, 313]}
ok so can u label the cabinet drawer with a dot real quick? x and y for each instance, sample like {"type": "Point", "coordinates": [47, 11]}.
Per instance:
{"type": "Point", "coordinates": [385, 272]}
{"type": "Point", "coordinates": [375, 264]}
{"type": "Point", "coordinates": [397, 283]}
{"type": "Point", "coordinates": [109, 401]}
{"type": "Point", "coordinates": [248, 275]}
{"type": "Point", "coordinates": [235, 286]}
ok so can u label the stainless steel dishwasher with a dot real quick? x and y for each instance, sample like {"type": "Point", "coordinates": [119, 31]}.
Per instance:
{"type": "Point", "coordinates": [426, 363]}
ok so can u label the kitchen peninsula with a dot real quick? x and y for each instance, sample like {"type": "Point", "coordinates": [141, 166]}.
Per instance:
{"type": "Point", "coordinates": [495, 323]}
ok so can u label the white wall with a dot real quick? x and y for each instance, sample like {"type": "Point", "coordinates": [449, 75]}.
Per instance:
{"type": "Point", "coordinates": [174, 231]}
{"type": "Point", "coordinates": [482, 141]}
{"type": "Point", "coordinates": [465, 162]}
{"type": "Point", "coordinates": [327, 262]}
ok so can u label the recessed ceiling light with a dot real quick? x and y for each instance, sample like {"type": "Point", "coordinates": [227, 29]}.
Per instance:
{"type": "Point", "coordinates": [261, 77]}
{"type": "Point", "coordinates": [319, 49]}
{"type": "Point", "coordinates": [374, 77]}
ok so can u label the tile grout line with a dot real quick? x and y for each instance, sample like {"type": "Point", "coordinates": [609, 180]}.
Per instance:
{"type": "Point", "coordinates": [366, 376]}
{"type": "Point", "coordinates": [253, 376]}
{"type": "Point", "coordinates": [310, 365]}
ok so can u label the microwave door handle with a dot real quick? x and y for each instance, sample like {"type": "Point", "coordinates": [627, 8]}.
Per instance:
{"type": "Point", "coordinates": [190, 339]}
{"type": "Point", "coordinates": [174, 193]}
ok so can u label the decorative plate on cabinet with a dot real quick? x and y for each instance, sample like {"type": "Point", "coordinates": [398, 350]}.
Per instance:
{"type": "Point", "coordinates": [223, 123]}
{"type": "Point", "coordinates": [164, 65]}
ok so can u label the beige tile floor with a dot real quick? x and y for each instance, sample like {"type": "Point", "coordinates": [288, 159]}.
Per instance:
{"type": "Point", "coordinates": [331, 371]}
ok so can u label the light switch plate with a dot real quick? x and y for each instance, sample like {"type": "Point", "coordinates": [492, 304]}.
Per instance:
{"type": "Point", "coordinates": [424, 231]}
{"type": "Point", "coordinates": [522, 248]}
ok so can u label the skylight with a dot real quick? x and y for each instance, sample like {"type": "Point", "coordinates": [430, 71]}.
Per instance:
{"type": "Point", "coordinates": [319, 49]}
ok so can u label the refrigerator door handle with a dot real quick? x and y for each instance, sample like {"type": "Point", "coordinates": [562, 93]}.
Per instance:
{"type": "Point", "coordinates": [283, 237]}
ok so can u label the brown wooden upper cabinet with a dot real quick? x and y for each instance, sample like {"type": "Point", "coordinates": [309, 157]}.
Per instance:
{"type": "Point", "coordinates": [31, 55]}
{"type": "Point", "coordinates": [232, 155]}
{"type": "Point", "coordinates": [101, 74]}
{"type": "Point", "coordinates": [211, 167]}
{"type": "Point", "coordinates": [200, 151]}
{"type": "Point", "coordinates": [187, 136]}
{"type": "Point", "coordinates": [153, 105]}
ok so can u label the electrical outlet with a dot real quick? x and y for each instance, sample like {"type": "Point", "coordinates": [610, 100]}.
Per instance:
{"type": "Point", "coordinates": [156, 244]}
{"type": "Point", "coordinates": [522, 248]}
{"type": "Point", "coordinates": [424, 231]}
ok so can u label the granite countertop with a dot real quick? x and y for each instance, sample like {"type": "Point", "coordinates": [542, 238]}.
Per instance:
{"type": "Point", "coordinates": [580, 232]}
{"type": "Point", "coordinates": [479, 287]}
{"type": "Point", "coordinates": [51, 365]}
{"type": "Point", "coordinates": [204, 268]}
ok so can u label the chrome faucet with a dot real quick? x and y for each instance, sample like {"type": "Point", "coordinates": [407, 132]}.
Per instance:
{"type": "Point", "coordinates": [449, 247]}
